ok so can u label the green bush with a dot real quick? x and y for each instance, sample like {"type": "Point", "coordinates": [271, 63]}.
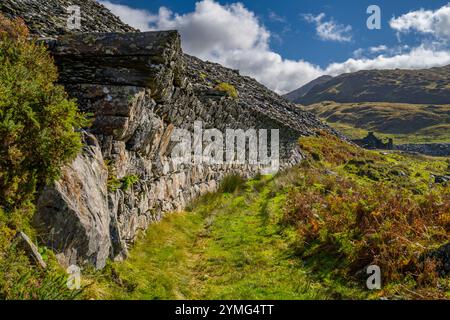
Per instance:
{"type": "Point", "coordinates": [37, 121]}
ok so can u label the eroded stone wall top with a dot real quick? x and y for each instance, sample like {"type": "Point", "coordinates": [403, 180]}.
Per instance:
{"type": "Point", "coordinates": [148, 59]}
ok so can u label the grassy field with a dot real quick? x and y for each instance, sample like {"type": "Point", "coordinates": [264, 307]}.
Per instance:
{"type": "Point", "coordinates": [306, 233]}
{"type": "Point", "coordinates": [405, 123]}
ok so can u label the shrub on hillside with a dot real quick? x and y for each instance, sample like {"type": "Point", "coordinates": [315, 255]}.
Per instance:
{"type": "Point", "coordinates": [37, 121]}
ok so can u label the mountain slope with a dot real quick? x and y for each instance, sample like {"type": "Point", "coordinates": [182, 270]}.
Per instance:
{"type": "Point", "coordinates": [406, 123]}
{"type": "Point", "coordinates": [300, 92]}
{"type": "Point", "coordinates": [401, 86]}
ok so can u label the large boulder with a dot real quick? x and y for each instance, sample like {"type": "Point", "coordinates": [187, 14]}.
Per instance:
{"type": "Point", "coordinates": [442, 256]}
{"type": "Point", "coordinates": [73, 216]}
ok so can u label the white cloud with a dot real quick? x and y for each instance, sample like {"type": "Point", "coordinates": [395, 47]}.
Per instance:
{"type": "Point", "coordinates": [329, 30]}
{"type": "Point", "coordinates": [137, 18]}
{"type": "Point", "coordinates": [417, 58]}
{"type": "Point", "coordinates": [213, 29]}
{"type": "Point", "coordinates": [432, 22]}
{"type": "Point", "coordinates": [378, 49]}
{"type": "Point", "coordinates": [273, 16]}
{"type": "Point", "coordinates": [234, 37]}
{"type": "Point", "coordinates": [381, 50]}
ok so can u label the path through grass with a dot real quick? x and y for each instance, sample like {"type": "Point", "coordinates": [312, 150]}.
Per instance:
{"type": "Point", "coordinates": [231, 246]}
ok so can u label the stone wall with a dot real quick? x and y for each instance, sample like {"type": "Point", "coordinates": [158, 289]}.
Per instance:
{"type": "Point", "coordinates": [139, 87]}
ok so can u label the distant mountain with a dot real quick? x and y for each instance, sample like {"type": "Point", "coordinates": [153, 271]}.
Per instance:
{"type": "Point", "coordinates": [401, 86]}
{"type": "Point", "coordinates": [300, 92]}
{"type": "Point", "coordinates": [406, 123]}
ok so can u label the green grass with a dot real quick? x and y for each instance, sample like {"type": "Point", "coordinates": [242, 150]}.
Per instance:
{"type": "Point", "coordinates": [232, 246]}
{"type": "Point", "coordinates": [434, 134]}
{"type": "Point", "coordinates": [296, 235]}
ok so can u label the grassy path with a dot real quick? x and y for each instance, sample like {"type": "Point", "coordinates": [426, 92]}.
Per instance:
{"type": "Point", "coordinates": [231, 246]}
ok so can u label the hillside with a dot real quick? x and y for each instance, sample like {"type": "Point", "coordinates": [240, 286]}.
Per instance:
{"type": "Point", "coordinates": [49, 18]}
{"type": "Point", "coordinates": [302, 91]}
{"type": "Point", "coordinates": [406, 123]}
{"type": "Point", "coordinates": [427, 86]}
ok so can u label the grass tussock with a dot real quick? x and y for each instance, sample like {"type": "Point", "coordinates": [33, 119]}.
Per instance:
{"type": "Point", "coordinates": [231, 183]}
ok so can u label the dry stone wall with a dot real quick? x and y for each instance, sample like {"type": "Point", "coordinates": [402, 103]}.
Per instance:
{"type": "Point", "coordinates": [139, 88]}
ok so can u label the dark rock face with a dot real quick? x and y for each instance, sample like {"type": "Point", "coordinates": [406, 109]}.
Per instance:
{"type": "Point", "coordinates": [149, 59]}
{"type": "Point", "coordinates": [372, 142]}
{"type": "Point", "coordinates": [140, 88]}
{"type": "Point", "coordinates": [442, 179]}
{"type": "Point", "coordinates": [402, 86]}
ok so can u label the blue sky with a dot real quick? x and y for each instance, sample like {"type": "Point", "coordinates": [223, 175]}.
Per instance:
{"type": "Point", "coordinates": [285, 43]}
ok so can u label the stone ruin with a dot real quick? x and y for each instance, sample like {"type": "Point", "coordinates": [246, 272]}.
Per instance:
{"type": "Point", "coordinates": [372, 142]}
{"type": "Point", "coordinates": [139, 87]}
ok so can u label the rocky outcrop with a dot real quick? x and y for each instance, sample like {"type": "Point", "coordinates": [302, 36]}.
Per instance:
{"type": "Point", "coordinates": [430, 149]}
{"type": "Point", "coordinates": [73, 216]}
{"type": "Point", "coordinates": [22, 241]}
{"type": "Point", "coordinates": [140, 88]}
{"type": "Point", "coordinates": [440, 255]}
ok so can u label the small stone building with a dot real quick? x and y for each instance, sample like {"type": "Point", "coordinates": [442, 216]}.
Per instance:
{"type": "Point", "coordinates": [372, 142]}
